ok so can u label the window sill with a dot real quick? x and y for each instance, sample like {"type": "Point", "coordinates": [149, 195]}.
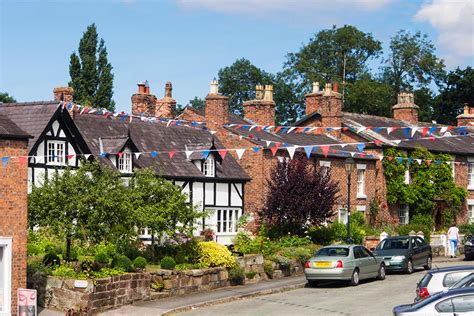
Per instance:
{"type": "Point", "coordinates": [471, 188]}
{"type": "Point", "coordinates": [361, 196]}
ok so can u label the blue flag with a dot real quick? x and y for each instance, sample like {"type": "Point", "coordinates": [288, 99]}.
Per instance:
{"type": "Point", "coordinates": [360, 147]}
{"type": "Point", "coordinates": [308, 151]}
{"type": "Point", "coordinates": [5, 161]}
{"type": "Point", "coordinates": [154, 154]}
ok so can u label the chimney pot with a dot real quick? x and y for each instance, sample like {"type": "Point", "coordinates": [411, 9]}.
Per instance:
{"type": "Point", "coordinates": [168, 90]}
{"type": "Point", "coordinates": [327, 89]}
{"type": "Point", "coordinates": [315, 87]}
{"type": "Point", "coordinates": [268, 93]}
{"type": "Point", "coordinates": [335, 87]}
{"type": "Point", "coordinates": [259, 92]}
{"type": "Point", "coordinates": [214, 89]}
{"type": "Point", "coordinates": [141, 87]}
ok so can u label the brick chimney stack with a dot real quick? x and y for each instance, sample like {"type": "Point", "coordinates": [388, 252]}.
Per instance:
{"type": "Point", "coordinates": [406, 109]}
{"type": "Point", "coordinates": [261, 110]}
{"type": "Point", "coordinates": [467, 117]}
{"type": "Point", "coordinates": [217, 107]}
{"type": "Point", "coordinates": [143, 101]}
{"type": "Point", "coordinates": [166, 107]}
{"type": "Point", "coordinates": [328, 103]}
{"type": "Point", "coordinates": [65, 94]}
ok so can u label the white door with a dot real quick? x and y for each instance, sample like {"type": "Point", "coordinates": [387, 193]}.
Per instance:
{"type": "Point", "coordinates": [5, 275]}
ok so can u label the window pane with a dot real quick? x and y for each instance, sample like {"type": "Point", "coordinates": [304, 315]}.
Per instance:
{"type": "Point", "coordinates": [236, 220]}
{"type": "Point", "coordinates": [445, 306]}
{"type": "Point", "coordinates": [218, 221]}
{"type": "Point", "coordinates": [463, 304]}
{"type": "Point", "coordinates": [224, 221]}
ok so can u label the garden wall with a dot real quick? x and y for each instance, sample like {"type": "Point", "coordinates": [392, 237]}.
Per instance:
{"type": "Point", "coordinates": [96, 295]}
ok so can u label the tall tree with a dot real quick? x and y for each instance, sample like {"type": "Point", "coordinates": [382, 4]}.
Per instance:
{"type": "Point", "coordinates": [6, 98]}
{"type": "Point", "coordinates": [330, 55]}
{"type": "Point", "coordinates": [458, 89]}
{"type": "Point", "coordinates": [412, 62]}
{"type": "Point", "coordinates": [91, 73]}
{"type": "Point", "coordinates": [299, 196]}
{"type": "Point", "coordinates": [197, 103]}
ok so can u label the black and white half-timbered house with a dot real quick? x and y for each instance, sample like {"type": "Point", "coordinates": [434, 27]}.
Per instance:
{"type": "Point", "coordinates": [60, 138]}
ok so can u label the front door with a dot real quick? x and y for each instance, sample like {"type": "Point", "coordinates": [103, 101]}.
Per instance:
{"type": "Point", "coordinates": [5, 275]}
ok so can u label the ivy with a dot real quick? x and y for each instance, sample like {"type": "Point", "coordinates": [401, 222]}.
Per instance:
{"type": "Point", "coordinates": [430, 183]}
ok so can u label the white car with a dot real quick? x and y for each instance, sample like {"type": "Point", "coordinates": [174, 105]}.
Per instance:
{"type": "Point", "coordinates": [455, 302]}
{"type": "Point", "coordinates": [438, 280]}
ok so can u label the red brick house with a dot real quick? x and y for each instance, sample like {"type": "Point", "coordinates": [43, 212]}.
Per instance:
{"type": "Point", "coordinates": [13, 214]}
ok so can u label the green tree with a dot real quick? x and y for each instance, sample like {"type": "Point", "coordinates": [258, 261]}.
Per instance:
{"type": "Point", "coordinates": [198, 103]}
{"type": "Point", "coordinates": [6, 98]}
{"type": "Point", "coordinates": [458, 89]}
{"type": "Point", "coordinates": [412, 62]}
{"type": "Point", "coordinates": [88, 204]}
{"type": "Point", "coordinates": [329, 54]}
{"type": "Point", "coordinates": [158, 204]}
{"type": "Point", "coordinates": [91, 73]}
{"type": "Point", "coordinates": [425, 99]}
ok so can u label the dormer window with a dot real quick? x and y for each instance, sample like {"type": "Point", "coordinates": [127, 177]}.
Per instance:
{"type": "Point", "coordinates": [209, 166]}
{"type": "Point", "coordinates": [124, 162]}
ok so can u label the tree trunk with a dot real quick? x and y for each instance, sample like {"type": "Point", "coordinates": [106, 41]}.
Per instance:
{"type": "Point", "coordinates": [68, 248]}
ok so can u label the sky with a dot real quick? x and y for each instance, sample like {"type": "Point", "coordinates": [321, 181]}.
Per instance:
{"type": "Point", "coordinates": [188, 41]}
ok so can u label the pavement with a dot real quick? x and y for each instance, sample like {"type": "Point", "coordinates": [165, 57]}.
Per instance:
{"type": "Point", "coordinates": [223, 296]}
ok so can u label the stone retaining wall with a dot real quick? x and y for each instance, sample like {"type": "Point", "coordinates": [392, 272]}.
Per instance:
{"type": "Point", "coordinates": [96, 295]}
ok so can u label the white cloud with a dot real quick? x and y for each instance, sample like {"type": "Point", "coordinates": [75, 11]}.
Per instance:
{"type": "Point", "coordinates": [454, 22]}
{"type": "Point", "coordinates": [264, 7]}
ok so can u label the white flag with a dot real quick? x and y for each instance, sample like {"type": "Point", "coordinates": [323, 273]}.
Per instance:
{"type": "Point", "coordinates": [137, 155]}
{"type": "Point", "coordinates": [240, 152]}
{"type": "Point", "coordinates": [291, 151]}
{"type": "Point", "coordinates": [188, 153]}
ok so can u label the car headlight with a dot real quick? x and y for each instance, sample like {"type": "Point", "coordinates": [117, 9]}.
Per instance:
{"type": "Point", "coordinates": [398, 258]}
{"type": "Point", "coordinates": [468, 243]}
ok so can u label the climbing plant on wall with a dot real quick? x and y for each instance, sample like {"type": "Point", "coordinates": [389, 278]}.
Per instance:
{"type": "Point", "coordinates": [430, 183]}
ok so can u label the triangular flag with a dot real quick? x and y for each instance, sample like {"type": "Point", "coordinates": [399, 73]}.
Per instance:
{"type": "Point", "coordinates": [277, 129]}
{"type": "Point", "coordinates": [343, 145]}
{"type": "Point", "coordinates": [120, 154]}
{"type": "Point", "coordinates": [103, 154]}
{"type": "Point", "coordinates": [407, 131]}
{"type": "Point", "coordinates": [438, 162]}
{"type": "Point", "coordinates": [390, 158]}
{"type": "Point", "coordinates": [424, 131]}
{"type": "Point", "coordinates": [443, 129]}
{"type": "Point", "coordinates": [308, 151]}
{"type": "Point", "coordinates": [352, 154]}
{"type": "Point", "coordinates": [86, 156]}
{"type": "Point", "coordinates": [397, 141]}
{"type": "Point", "coordinates": [418, 161]}
{"type": "Point", "coordinates": [252, 127]}
{"type": "Point", "coordinates": [70, 156]}
{"type": "Point", "coordinates": [188, 153]}
{"type": "Point", "coordinates": [325, 149]}
{"type": "Point", "coordinates": [240, 152]}
{"type": "Point", "coordinates": [361, 129]}
{"type": "Point", "coordinates": [22, 160]}
{"type": "Point", "coordinates": [291, 129]}
{"type": "Point", "coordinates": [360, 147]}
{"type": "Point", "coordinates": [380, 157]}
{"type": "Point", "coordinates": [428, 162]}
{"type": "Point", "coordinates": [154, 154]}
{"type": "Point", "coordinates": [413, 131]}
{"type": "Point", "coordinates": [390, 129]}
{"type": "Point", "coordinates": [291, 151]}
{"type": "Point", "coordinates": [5, 161]}
{"type": "Point", "coordinates": [410, 160]}
{"type": "Point", "coordinates": [268, 142]}
{"type": "Point", "coordinates": [137, 155]}
{"type": "Point", "coordinates": [256, 149]}
{"type": "Point", "coordinates": [171, 153]}
{"type": "Point", "coordinates": [274, 149]}
{"type": "Point", "coordinates": [222, 153]}
{"type": "Point", "coordinates": [432, 130]}
{"type": "Point", "coordinates": [205, 154]}
{"type": "Point", "coordinates": [399, 159]}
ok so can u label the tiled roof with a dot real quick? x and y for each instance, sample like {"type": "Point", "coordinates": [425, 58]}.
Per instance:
{"type": "Point", "coordinates": [150, 137]}
{"type": "Point", "coordinates": [31, 117]}
{"type": "Point", "coordinates": [8, 129]}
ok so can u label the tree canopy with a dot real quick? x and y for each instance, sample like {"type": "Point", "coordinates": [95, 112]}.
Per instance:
{"type": "Point", "coordinates": [91, 73]}
{"type": "Point", "coordinates": [6, 98]}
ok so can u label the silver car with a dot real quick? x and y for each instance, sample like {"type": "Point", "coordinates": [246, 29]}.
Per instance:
{"type": "Point", "coordinates": [457, 302]}
{"type": "Point", "coordinates": [350, 263]}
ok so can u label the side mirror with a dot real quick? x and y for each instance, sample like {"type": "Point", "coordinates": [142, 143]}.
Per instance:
{"type": "Point", "coordinates": [372, 249]}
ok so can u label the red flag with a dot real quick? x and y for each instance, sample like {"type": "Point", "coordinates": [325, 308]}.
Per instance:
{"type": "Point", "coordinates": [450, 127]}
{"type": "Point", "coordinates": [277, 129]}
{"type": "Point", "coordinates": [345, 129]}
{"type": "Point", "coordinates": [274, 149]}
{"type": "Point", "coordinates": [22, 160]}
{"type": "Point", "coordinates": [390, 158]}
{"type": "Point", "coordinates": [377, 142]}
{"type": "Point", "coordinates": [120, 154]}
{"type": "Point", "coordinates": [222, 153]}
{"type": "Point", "coordinates": [424, 131]}
{"type": "Point", "coordinates": [431, 138]}
{"type": "Point", "coordinates": [258, 129]}
{"type": "Point", "coordinates": [171, 153]}
{"type": "Point", "coordinates": [428, 162]}
{"type": "Point", "coordinates": [70, 156]}
{"type": "Point", "coordinates": [325, 149]}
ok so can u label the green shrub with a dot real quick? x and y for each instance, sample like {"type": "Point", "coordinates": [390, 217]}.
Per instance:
{"type": "Point", "coordinates": [109, 249]}
{"type": "Point", "coordinates": [122, 262]}
{"type": "Point", "coordinates": [467, 229]}
{"type": "Point", "coordinates": [33, 249]}
{"type": "Point", "coordinates": [157, 286]}
{"type": "Point", "coordinates": [250, 275]}
{"type": "Point", "coordinates": [74, 253]}
{"type": "Point", "coordinates": [139, 263]}
{"type": "Point", "coordinates": [283, 262]}
{"type": "Point", "coordinates": [64, 271]}
{"type": "Point", "coordinates": [404, 230]}
{"type": "Point", "coordinates": [102, 257]}
{"type": "Point", "coordinates": [51, 259]}
{"type": "Point", "coordinates": [423, 219]}
{"type": "Point", "coordinates": [88, 266]}
{"type": "Point", "coordinates": [168, 263]}
{"type": "Point", "coordinates": [294, 241]}
{"type": "Point", "coordinates": [52, 248]}
{"type": "Point", "coordinates": [212, 254]}
{"type": "Point", "coordinates": [301, 254]}
{"type": "Point", "coordinates": [236, 275]}
{"type": "Point", "coordinates": [104, 273]}
{"type": "Point", "coordinates": [245, 244]}
{"type": "Point", "coordinates": [188, 266]}
{"type": "Point", "coordinates": [268, 268]}
{"type": "Point", "coordinates": [321, 235]}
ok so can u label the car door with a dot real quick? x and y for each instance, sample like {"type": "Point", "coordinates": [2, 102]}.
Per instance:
{"type": "Point", "coordinates": [425, 249]}
{"type": "Point", "coordinates": [416, 252]}
{"type": "Point", "coordinates": [360, 262]}
{"type": "Point", "coordinates": [372, 264]}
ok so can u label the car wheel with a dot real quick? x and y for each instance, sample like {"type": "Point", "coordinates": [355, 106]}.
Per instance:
{"type": "Point", "coordinates": [355, 278]}
{"type": "Point", "coordinates": [381, 275]}
{"type": "Point", "coordinates": [428, 263]}
{"type": "Point", "coordinates": [409, 269]}
{"type": "Point", "coordinates": [312, 283]}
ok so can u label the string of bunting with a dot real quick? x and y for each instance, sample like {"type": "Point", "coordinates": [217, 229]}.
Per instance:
{"type": "Point", "coordinates": [291, 149]}
{"type": "Point", "coordinates": [122, 116]}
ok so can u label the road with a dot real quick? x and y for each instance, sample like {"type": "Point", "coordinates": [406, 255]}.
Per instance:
{"type": "Point", "coordinates": [369, 298]}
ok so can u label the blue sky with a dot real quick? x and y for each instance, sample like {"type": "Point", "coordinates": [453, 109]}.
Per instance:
{"type": "Point", "coordinates": [188, 41]}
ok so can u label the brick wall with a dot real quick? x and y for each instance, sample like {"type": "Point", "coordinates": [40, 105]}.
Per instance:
{"type": "Point", "coordinates": [260, 111]}
{"type": "Point", "coordinates": [13, 209]}
{"type": "Point", "coordinates": [409, 115]}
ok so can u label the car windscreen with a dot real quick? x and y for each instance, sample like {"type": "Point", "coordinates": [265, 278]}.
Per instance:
{"type": "Point", "coordinates": [425, 280]}
{"type": "Point", "coordinates": [398, 243]}
{"type": "Point", "coordinates": [467, 281]}
{"type": "Point", "coordinates": [332, 252]}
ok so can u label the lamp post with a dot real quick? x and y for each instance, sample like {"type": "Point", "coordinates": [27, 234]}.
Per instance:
{"type": "Point", "coordinates": [349, 166]}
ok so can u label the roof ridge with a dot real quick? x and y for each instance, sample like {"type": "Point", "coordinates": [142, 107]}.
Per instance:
{"type": "Point", "coordinates": [12, 104]}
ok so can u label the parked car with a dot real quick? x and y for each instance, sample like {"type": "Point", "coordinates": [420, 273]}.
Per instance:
{"type": "Point", "coordinates": [467, 281]}
{"type": "Point", "coordinates": [469, 248]}
{"type": "Point", "coordinates": [345, 263]}
{"type": "Point", "coordinates": [404, 253]}
{"type": "Point", "coordinates": [455, 302]}
{"type": "Point", "coordinates": [438, 280]}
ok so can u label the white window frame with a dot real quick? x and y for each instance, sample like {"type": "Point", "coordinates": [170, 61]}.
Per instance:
{"type": "Point", "coordinates": [361, 182]}
{"type": "Point", "coordinates": [470, 211]}
{"type": "Point", "coordinates": [361, 208]}
{"type": "Point", "coordinates": [6, 244]}
{"type": "Point", "coordinates": [470, 173]}
{"type": "Point", "coordinates": [407, 179]}
{"type": "Point", "coordinates": [124, 163]}
{"type": "Point", "coordinates": [227, 217]}
{"type": "Point", "coordinates": [324, 165]}
{"type": "Point", "coordinates": [405, 210]}
{"type": "Point", "coordinates": [209, 166]}
{"type": "Point", "coordinates": [54, 157]}
{"type": "Point", "coordinates": [342, 218]}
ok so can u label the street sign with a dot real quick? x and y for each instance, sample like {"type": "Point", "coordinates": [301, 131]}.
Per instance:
{"type": "Point", "coordinates": [27, 302]}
